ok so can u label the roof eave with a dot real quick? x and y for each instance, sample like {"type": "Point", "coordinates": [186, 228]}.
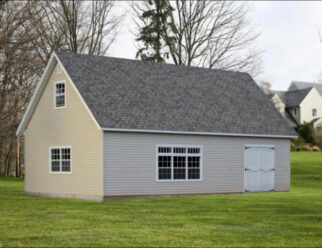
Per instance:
{"type": "Point", "coordinates": [198, 133]}
{"type": "Point", "coordinates": [35, 98]}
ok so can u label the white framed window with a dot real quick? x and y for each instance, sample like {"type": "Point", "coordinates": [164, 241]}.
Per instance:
{"type": "Point", "coordinates": [59, 70]}
{"type": "Point", "coordinates": [314, 112]}
{"type": "Point", "coordinates": [60, 159]}
{"type": "Point", "coordinates": [59, 95]}
{"type": "Point", "coordinates": [179, 163]}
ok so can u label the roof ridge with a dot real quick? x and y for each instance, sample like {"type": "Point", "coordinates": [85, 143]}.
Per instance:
{"type": "Point", "coordinates": [305, 89]}
{"type": "Point", "coordinates": [305, 82]}
{"type": "Point", "coordinates": [150, 62]}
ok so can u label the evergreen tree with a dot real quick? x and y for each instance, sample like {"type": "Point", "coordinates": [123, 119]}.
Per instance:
{"type": "Point", "coordinates": [158, 20]}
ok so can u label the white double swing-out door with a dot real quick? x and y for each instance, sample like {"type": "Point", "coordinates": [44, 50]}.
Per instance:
{"type": "Point", "coordinates": [259, 169]}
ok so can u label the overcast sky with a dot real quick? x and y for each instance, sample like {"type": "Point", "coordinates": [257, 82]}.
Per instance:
{"type": "Point", "coordinates": [289, 38]}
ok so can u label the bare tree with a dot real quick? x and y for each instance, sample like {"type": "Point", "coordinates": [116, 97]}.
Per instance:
{"type": "Point", "coordinates": [18, 64]}
{"type": "Point", "coordinates": [29, 32]}
{"type": "Point", "coordinates": [76, 26]}
{"type": "Point", "coordinates": [266, 87]}
{"type": "Point", "coordinates": [213, 34]}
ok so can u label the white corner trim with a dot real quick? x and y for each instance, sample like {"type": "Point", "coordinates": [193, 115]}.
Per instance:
{"type": "Point", "coordinates": [197, 133]}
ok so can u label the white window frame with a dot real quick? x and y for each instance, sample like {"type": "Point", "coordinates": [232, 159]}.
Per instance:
{"type": "Point", "coordinates": [178, 154]}
{"type": "Point", "coordinates": [316, 112]}
{"type": "Point", "coordinates": [60, 163]}
{"type": "Point", "coordinates": [55, 94]}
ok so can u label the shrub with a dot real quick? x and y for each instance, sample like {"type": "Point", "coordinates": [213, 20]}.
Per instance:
{"type": "Point", "coordinates": [298, 141]}
{"type": "Point", "coordinates": [307, 133]}
{"type": "Point", "coordinates": [301, 149]}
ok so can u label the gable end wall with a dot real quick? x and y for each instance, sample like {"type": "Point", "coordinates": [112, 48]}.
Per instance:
{"type": "Point", "coordinates": [70, 126]}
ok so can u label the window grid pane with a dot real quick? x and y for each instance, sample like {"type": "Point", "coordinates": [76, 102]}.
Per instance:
{"type": "Point", "coordinates": [60, 159]}
{"type": "Point", "coordinates": [179, 163]}
{"type": "Point", "coordinates": [164, 149]}
{"type": "Point", "coordinates": [164, 163]}
{"type": "Point", "coordinates": [179, 150]}
{"type": "Point", "coordinates": [60, 95]}
{"type": "Point", "coordinates": [194, 150]}
{"type": "Point", "coordinates": [65, 159]}
{"type": "Point", "coordinates": [193, 167]}
{"type": "Point", "coordinates": [55, 160]}
{"type": "Point", "coordinates": [179, 167]}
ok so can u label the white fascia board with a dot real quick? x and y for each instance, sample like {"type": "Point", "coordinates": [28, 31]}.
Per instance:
{"type": "Point", "coordinates": [197, 133]}
{"type": "Point", "coordinates": [35, 98]}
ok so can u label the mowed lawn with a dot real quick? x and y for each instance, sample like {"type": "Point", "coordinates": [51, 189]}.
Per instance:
{"type": "Point", "coordinates": [250, 220]}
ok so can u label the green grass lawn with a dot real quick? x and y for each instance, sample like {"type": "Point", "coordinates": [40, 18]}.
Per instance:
{"type": "Point", "coordinates": [267, 219]}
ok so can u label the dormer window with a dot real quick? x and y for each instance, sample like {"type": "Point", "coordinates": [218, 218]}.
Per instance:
{"type": "Point", "coordinates": [314, 112]}
{"type": "Point", "coordinates": [60, 90]}
{"type": "Point", "coordinates": [295, 111]}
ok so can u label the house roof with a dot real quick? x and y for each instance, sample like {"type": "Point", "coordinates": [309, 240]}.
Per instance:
{"type": "Point", "coordinates": [302, 85]}
{"type": "Point", "coordinates": [295, 97]}
{"type": "Point", "coordinates": [290, 119]}
{"type": "Point", "coordinates": [131, 94]}
{"type": "Point", "coordinates": [280, 94]}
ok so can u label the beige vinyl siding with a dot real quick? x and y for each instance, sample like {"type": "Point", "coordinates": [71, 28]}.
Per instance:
{"type": "Point", "coordinates": [70, 126]}
{"type": "Point", "coordinates": [130, 163]}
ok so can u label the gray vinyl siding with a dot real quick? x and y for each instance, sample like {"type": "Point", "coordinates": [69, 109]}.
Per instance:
{"type": "Point", "coordinates": [130, 164]}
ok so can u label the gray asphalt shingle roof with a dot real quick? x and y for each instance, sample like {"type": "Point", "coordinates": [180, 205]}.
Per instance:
{"type": "Point", "coordinates": [295, 97]}
{"type": "Point", "coordinates": [131, 94]}
{"type": "Point", "coordinates": [303, 85]}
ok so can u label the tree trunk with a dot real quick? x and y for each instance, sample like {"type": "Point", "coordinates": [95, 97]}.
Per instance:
{"type": "Point", "coordinates": [1, 164]}
{"type": "Point", "coordinates": [17, 157]}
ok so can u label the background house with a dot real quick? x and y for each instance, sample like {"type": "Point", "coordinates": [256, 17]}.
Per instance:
{"type": "Point", "coordinates": [301, 103]}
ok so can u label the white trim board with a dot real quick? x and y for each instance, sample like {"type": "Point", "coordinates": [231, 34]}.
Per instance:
{"type": "Point", "coordinates": [35, 97]}
{"type": "Point", "coordinates": [197, 133]}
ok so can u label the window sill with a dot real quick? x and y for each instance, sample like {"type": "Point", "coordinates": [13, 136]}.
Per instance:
{"type": "Point", "coordinates": [179, 181]}
{"type": "Point", "coordinates": [59, 107]}
{"type": "Point", "coordinates": [60, 173]}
